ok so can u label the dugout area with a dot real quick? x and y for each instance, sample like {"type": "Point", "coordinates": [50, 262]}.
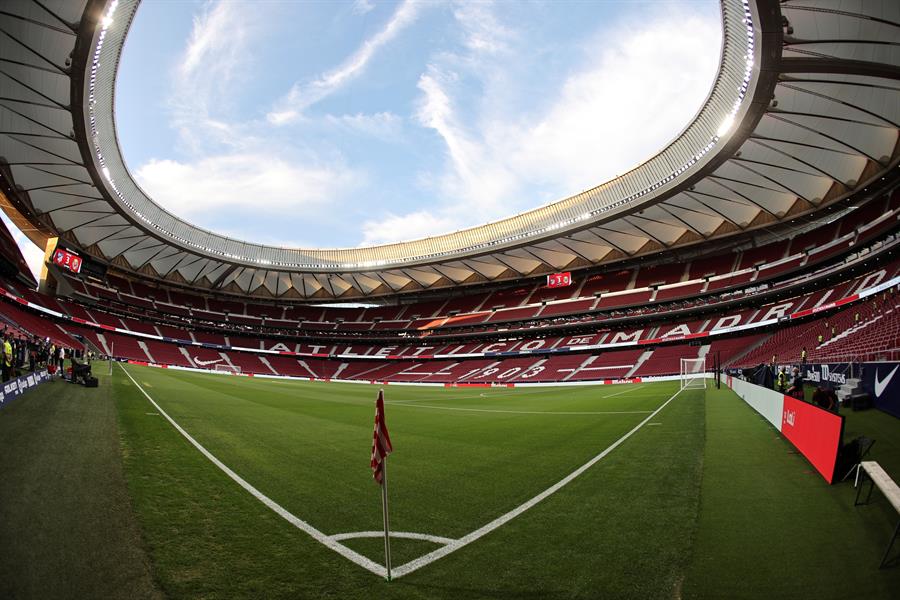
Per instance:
{"type": "Point", "coordinates": [102, 497]}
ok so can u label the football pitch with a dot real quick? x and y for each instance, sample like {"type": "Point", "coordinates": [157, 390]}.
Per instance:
{"type": "Point", "coordinates": [467, 461]}
{"type": "Point", "coordinates": [252, 487]}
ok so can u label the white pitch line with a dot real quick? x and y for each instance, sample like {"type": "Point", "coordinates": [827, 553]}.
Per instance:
{"type": "Point", "coordinates": [429, 558]}
{"type": "Point", "coordinates": [518, 392]}
{"type": "Point", "coordinates": [394, 534]}
{"type": "Point", "coordinates": [630, 388]}
{"type": "Point", "coordinates": [519, 412]}
{"type": "Point", "coordinates": [426, 559]}
{"type": "Point", "coordinates": [300, 524]}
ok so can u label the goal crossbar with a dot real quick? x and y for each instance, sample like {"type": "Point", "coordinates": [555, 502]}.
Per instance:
{"type": "Point", "coordinates": [693, 373]}
{"type": "Point", "coordinates": [223, 368]}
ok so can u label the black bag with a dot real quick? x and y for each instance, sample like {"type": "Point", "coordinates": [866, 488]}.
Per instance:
{"type": "Point", "coordinates": [91, 382]}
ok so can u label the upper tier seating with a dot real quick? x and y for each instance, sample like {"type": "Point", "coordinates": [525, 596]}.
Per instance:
{"type": "Point", "coordinates": [425, 348]}
{"type": "Point", "coordinates": [710, 275]}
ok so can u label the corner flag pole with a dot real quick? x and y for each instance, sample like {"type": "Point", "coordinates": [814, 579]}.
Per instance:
{"type": "Point", "coordinates": [381, 448]}
{"type": "Point", "coordinates": [387, 527]}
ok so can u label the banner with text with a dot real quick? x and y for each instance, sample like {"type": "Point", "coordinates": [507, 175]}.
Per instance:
{"type": "Point", "coordinates": [882, 382]}
{"type": "Point", "coordinates": [815, 432]}
{"type": "Point", "coordinates": [14, 388]}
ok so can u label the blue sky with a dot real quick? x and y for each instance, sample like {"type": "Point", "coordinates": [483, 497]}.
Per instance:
{"type": "Point", "coordinates": [339, 124]}
{"type": "Point", "coordinates": [336, 124]}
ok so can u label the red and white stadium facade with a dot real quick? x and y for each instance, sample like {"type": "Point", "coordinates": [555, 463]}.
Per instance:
{"type": "Point", "coordinates": [775, 211]}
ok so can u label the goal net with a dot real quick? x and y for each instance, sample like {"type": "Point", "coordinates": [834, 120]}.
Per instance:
{"type": "Point", "coordinates": [234, 370]}
{"type": "Point", "coordinates": [693, 373]}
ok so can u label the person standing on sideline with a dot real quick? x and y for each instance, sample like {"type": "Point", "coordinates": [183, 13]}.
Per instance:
{"type": "Point", "coordinates": [781, 381]}
{"type": "Point", "coordinates": [7, 358]}
{"type": "Point", "coordinates": [796, 389]}
{"type": "Point", "coordinates": [803, 356]}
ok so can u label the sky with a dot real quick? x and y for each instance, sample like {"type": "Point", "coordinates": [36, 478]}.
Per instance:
{"type": "Point", "coordinates": [340, 124]}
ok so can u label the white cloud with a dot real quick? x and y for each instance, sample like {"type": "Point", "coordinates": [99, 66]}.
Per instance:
{"type": "Point", "coordinates": [383, 125]}
{"type": "Point", "coordinates": [34, 256]}
{"type": "Point", "coordinates": [253, 181]}
{"type": "Point", "coordinates": [236, 165]}
{"type": "Point", "coordinates": [302, 96]}
{"type": "Point", "coordinates": [482, 31]}
{"type": "Point", "coordinates": [217, 58]}
{"type": "Point", "coordinates": [636, 86]}
{"type": "Point", "coordinates": [398, 228]}
{"type": "Point", "coordinates": [361, 7]}
{"type": "Point", "coordinates": [648, 83]}
{"type": "Point", "coordinates": [637, 89]}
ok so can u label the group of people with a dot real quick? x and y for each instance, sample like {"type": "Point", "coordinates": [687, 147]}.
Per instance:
{"type": "Point", "coordinates": [20, 352]}
{"type": "Point", "coordinates": [791, 385]}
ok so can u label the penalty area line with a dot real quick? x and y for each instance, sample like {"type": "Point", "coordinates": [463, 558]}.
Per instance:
{"type": "Point", "coordinates": [326, 540]}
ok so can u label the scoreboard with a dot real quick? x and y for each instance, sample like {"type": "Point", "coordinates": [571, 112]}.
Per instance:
{"type": "Point", "coordinates": [556, 280]}
{"type": "Point", "coordinates": [67, 260]}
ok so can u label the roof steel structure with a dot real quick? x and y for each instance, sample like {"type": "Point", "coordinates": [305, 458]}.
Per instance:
{"type": "Point", "coordinates": [804, 111]}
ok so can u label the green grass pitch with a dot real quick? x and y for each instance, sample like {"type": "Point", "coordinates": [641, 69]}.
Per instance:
{"type": "Point", "coordinates": [705, 500]}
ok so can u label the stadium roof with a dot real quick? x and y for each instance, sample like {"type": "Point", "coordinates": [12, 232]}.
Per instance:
{"type": "Point", "coordinates": [804, 111]}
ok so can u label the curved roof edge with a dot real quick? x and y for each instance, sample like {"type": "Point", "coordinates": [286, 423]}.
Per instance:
{"type": "Point", "coordinates": [819, 123]}
{"type": "Point", "coordinates": [700, 141]}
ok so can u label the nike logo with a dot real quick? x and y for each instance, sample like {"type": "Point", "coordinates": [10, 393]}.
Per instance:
{"type": "Point", "coordinates": [206, 363]}
{"type": "Point", "coordinates": [881, 385]}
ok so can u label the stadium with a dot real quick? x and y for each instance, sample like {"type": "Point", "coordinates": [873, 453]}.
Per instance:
{"type": "Point", "coordinates": [593, 398]}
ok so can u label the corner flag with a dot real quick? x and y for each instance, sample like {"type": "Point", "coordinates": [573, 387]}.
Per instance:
{"type": "Point", "coordinates": [381, 441]}
{"type": "Point", "coordinates": [381, 447]}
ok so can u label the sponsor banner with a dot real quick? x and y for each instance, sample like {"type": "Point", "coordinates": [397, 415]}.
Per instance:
{"type": "Point", "coordinates": [143, 363]}
{"type": "Point", "coordinates": [815, 432]}
{"type": "Point", "coordinates": [480, 385]}
{"type": "Point", "coordinates": [14, 388]}
{"type": "Point", "coordinates": [824, 307]}
{"type": "Point", "coordinates": [830, 376]}
{"type": "Point", "coordinates": [768, 403]}
{"type": "Point", "coordinates": [209, 371]}
{"type": "Point", "coordinates": [882, 382]}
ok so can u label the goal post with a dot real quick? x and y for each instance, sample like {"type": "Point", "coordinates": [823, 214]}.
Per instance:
{"type": "Point", "coordinates": [231, 369]}
{"type": "Point", "coordinates": [693, 373]}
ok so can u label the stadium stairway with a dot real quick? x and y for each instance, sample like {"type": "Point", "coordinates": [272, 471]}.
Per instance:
{"type": "Point", "coordinates": [146, 350]}
{"type": "Point", "coordinates": [340, 369]}
{"type": "Point", "coordinates": [264, 361]}
{"type": "Point", "coordinates": [187, 356]}
{"type": "Point", "coordinates": [848, 388]}
{"type": "Point", "coordinates": [637, 364]}
{"type": "Point", "coordinates": [584, 364]}
{"type": "Point", "coordinates": [104, 344]}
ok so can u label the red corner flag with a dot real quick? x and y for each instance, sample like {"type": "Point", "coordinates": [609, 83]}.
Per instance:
{"type": "Point", "coordinates": [381, 441]}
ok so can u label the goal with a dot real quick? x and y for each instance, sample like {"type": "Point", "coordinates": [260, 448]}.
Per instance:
{"type": "Point", "coordinates": [234, 370]}
{"type": "Point", "coordinates": [693, 373]}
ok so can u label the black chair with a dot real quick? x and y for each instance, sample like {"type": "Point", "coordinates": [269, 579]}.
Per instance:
{"type": "Point", "coordinates": [856, 450]}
